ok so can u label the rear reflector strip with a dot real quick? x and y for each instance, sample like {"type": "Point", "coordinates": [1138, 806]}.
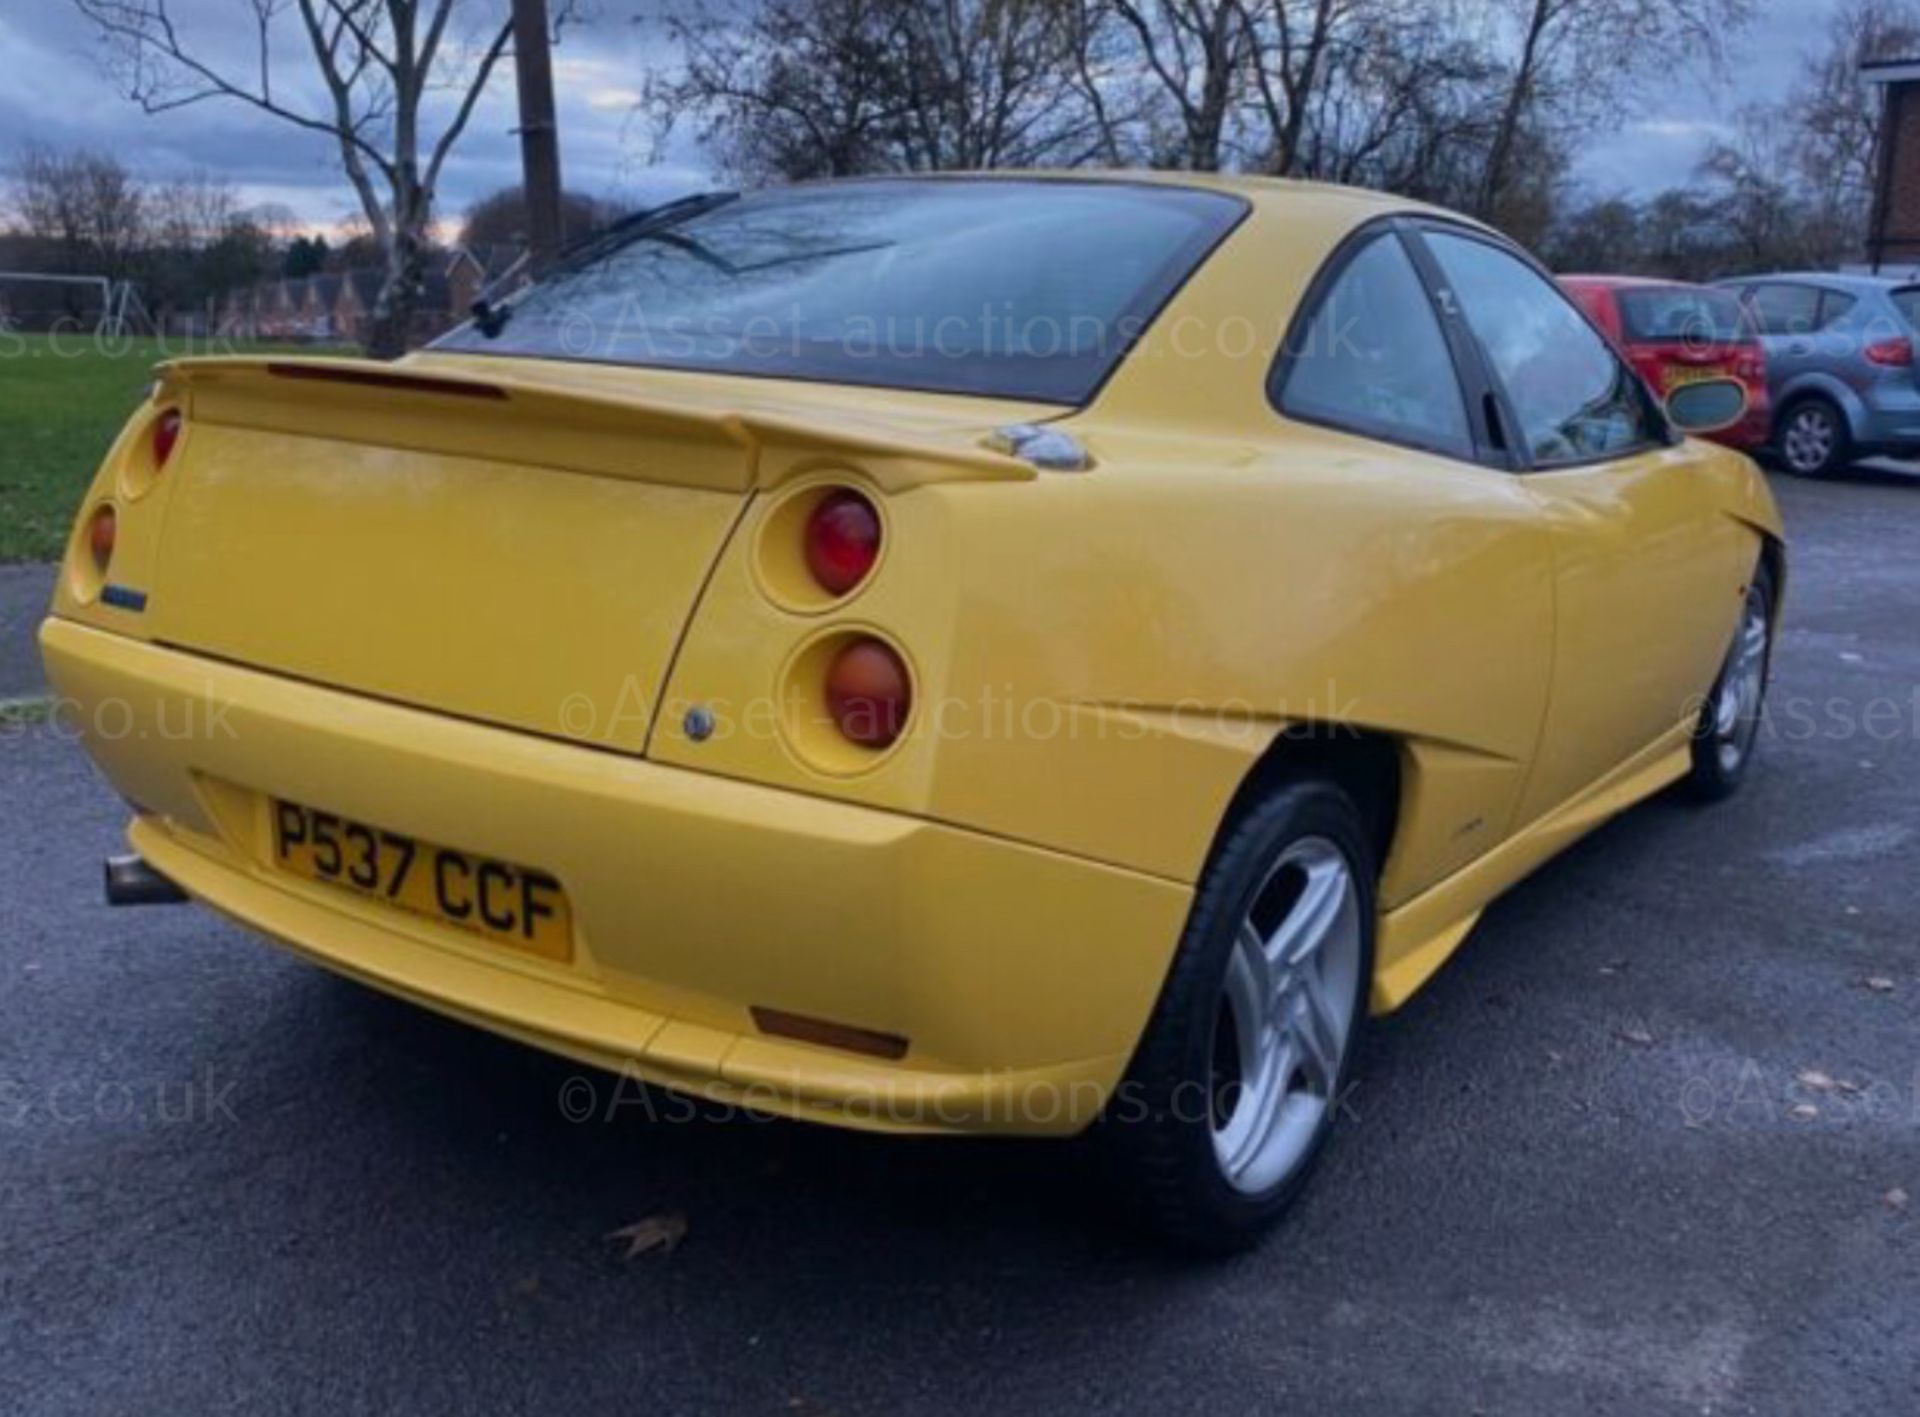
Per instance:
{"type": "Point", "coordinates": [829, 1035]}
{"type": "Point", "coordinates": [411, 383]}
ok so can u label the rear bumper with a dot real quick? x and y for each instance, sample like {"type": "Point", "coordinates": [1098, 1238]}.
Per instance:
{"type": "Point", "coordinates": [1753, 431]}
{"type": "Point", "coordinates": [1888, 432]}
{"type": "Point", "coordinates": [1885, 417]}
{"type": "Point", "coordinates": [1021, 977]}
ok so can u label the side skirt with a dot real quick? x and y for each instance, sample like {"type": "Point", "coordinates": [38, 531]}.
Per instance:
{"type": "Point", "coordinates": [1420, 936]}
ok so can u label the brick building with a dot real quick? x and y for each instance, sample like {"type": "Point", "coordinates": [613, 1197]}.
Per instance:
{"type": "Point", "coordinates": [1893, 238]}
{"type": "Point", "coordinates": [334, 308]}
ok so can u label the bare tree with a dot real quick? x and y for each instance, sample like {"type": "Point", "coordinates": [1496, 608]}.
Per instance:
{"type": "Point", "coordinates": [182, 241]}
{"type": "Point", "coordinates": [1834, 115]}
{"type": "Point", "coordinates": [984, 86]}
{"type": "Point", "coordinates": [1293, 57]}
{"type": "Point", "coordinates": [83, 206]}
{"type": "Point", "coordinates": [201, 244]}
{"type": "Point", "coordinates": [193, 212]}
{"type": "Point", "coordinates": [1404, 109]}
{"type": "Point", "coordinates": [1600, 235]}
{"type": "Point", "coordinates": [790, 89]}
{"type": "Point", "coordinates": [1198, 55]}
{"type": "Point", "coordinates": [1789, 188]}
{"type": "Point", "coordinates": [1570, 55]}
{"type": "Point", "coordinates": [400, 78]}
{"type": "Point", "coordinates": [1099, 64]}
{"type": "Point", "coordinates": [822, 88]}
{"type": "Point", "coordinates": [500, 218]}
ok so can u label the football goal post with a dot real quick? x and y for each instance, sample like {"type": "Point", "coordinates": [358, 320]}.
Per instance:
{"type": "Point", "coordinates": [34, 302]}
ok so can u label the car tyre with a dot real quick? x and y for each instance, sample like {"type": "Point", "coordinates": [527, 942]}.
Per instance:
{"type": "Point", "coordinates": [1727, 734]}
{"type": "Point", "coordinates": [1814, 440]}
{"type": "Point", "coordinates": [1243, 1069]}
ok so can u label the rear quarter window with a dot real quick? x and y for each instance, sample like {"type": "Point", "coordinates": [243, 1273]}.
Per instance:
{"type": "Point", "coordinates": [1835, 306]}
{"type": "Point", "coordinates": [1786, 309]}
{"type": "Point", "coordinates": [1372, 359]}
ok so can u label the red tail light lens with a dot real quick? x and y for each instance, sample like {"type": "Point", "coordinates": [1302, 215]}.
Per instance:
{"type": "Point", "coordinates": [1892, 353]}
{"type": "Point", "coordinates": [166, 432]}
{"type": "Point", "coordinates": [102, 532]}
{"type": "Point", "coordinates": [869, 693]}
{"type": "Point", "coordinates": [843, 541]}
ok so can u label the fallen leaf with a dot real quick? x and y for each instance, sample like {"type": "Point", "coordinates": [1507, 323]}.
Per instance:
{"type": "Point", "coordinates": [1895, 1199]}
{"type": "Point", "coordinates": [1879, 983]}
{"type": "Point", "coordinates": [1806, 1112]}
{"type": "Point", "coordinates": [657, 1232]}
{"type": "Point", "coordinates": [1817, 1080]}
{"type": "Point", "coordinates": [1639, 1037]}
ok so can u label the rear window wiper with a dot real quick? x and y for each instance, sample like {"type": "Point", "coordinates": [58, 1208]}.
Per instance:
{"type": "Point", "coordinates": [490, 318]}
{"type": "Point", "coordinates": [631, 228]}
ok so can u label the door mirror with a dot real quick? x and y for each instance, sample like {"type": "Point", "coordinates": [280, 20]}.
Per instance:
{"type": "Point", "coordinates": [1707, 407]}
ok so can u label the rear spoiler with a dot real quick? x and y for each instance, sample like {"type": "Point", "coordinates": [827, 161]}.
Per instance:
{"type": "Point", "coordinates": [511, 419]}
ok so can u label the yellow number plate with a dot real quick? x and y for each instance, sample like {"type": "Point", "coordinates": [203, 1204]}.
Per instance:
{"type": "Point", "coordinates": [509, 905]}
{"type": "Point", "coordinates": [1680, 378]}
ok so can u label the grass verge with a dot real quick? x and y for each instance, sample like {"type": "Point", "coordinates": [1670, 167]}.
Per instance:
{"type": "Point", "coordinates": [63, 399]}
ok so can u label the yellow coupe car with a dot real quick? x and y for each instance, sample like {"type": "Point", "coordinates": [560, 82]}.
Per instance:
{"type": "Point", "coordinates": [985, 654]}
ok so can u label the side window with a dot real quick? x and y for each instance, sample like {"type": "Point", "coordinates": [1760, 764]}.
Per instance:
{"type": "Point", "coordinates": [1373, 360]}
{"type": "Point", "coordinates": [1835, 306]}
{"type": "Point", "coordinates": [1575, 399]}
{"type": "Point", "coordinates": [1786, 309]}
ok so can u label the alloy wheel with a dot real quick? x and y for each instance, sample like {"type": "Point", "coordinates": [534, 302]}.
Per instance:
{"type": "Point", "coordinates": [1285, 1018]}
{"type": "Point", "coordinates": [1810, 439]}
{"type": "Point", "coordinates": [1736, 708]}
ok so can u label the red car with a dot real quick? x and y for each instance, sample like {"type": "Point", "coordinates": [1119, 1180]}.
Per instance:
{"type": "Point", "coordinates": [1676, 334]}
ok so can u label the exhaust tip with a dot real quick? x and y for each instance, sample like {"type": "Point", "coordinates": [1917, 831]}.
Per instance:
{"type": "Point", "coordinates": [131, 881]}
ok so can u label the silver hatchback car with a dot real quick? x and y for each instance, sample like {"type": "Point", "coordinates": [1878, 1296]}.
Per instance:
{"type": "Point", "coordinates": [1840, 365]}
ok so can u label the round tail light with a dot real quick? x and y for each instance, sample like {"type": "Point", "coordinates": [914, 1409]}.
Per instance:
{"type": "Point", "coordinates": [869, 694]}
{"type": "Point", "coordinates": [843, 541]}
{"type": "Point", "coordinates": [166, 432]}
{"type": "Point", "coordinates": [102, 532]}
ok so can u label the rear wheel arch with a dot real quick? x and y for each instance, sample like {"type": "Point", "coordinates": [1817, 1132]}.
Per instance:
{"type": "Point", "coordinates": [1367, 765]}
{"type": "Point", "coordinates": [1773, 556]}
{"type": "Point", "coordinates": [1853, 412]}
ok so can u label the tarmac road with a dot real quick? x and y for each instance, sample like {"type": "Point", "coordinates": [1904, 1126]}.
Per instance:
{"type": "Point", "coordinates": [1577, 1180]}
{"type": "Point", "coordinates": [24, 593]}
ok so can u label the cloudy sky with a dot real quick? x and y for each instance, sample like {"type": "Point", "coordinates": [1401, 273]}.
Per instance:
{"type": "Point", "coordinates": [55, 93]}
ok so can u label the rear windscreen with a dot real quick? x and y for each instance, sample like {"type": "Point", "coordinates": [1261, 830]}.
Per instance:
{"type": "Point", "coordinates": [1014, 289]}
{"type": "Point", "coordinates": [1907, 301]}
{"type": "Point", "coordinates": [1679, 315]}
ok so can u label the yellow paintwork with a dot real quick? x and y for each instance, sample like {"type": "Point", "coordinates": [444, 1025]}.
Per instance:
{"type": "Point", "coordinates": [478, 612]}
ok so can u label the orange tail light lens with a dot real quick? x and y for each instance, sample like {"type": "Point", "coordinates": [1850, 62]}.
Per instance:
{"type": "Point", "coordinates": [869, 693]}
{"type": "Point", "coordinates": [102, 532]}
